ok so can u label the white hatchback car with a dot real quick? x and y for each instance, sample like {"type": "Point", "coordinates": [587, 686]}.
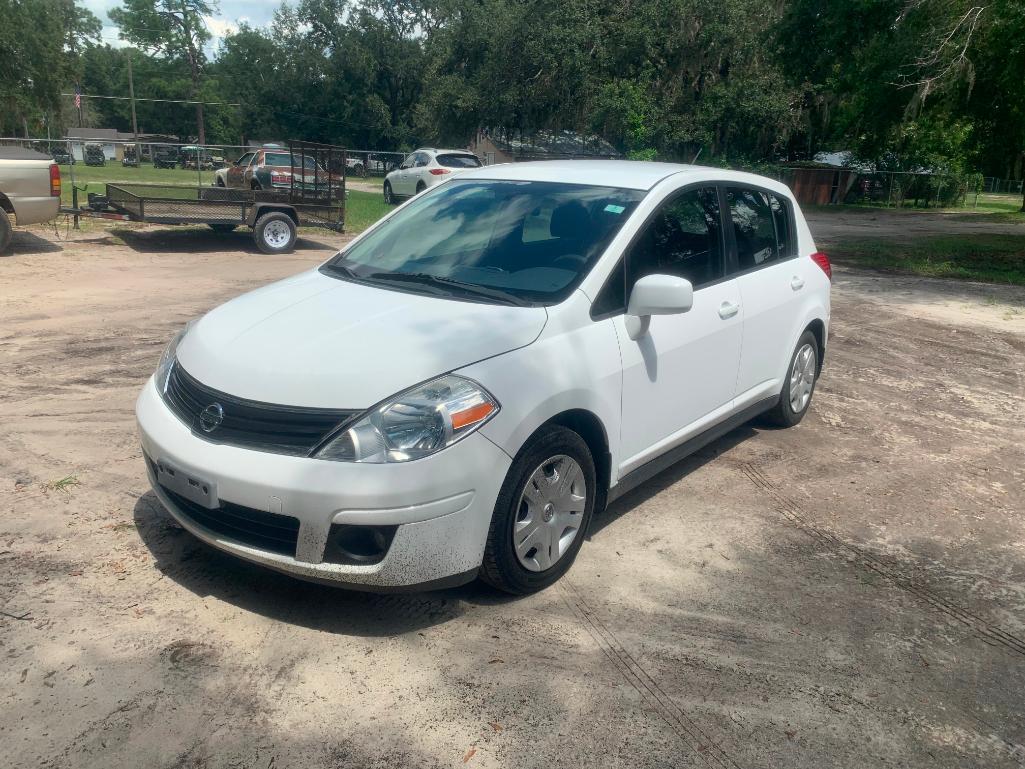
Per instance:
{"type": "Point", "coordinates": [426, 168]}
{"type": "Point", "coordinates": [458, 391]}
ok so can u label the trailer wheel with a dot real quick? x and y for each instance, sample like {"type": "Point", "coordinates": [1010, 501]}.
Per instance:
{"type": "Point", "coordinates": [274, 233]}
{"type": "Point", "coordinates": [6, 233]}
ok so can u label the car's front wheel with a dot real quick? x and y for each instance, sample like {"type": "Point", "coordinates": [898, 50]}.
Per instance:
{"type": "Point", "coordinates": [542, 513]}
{"type": "Point", "coordinates": [799, 385]}
{"type": "Point", "coordinates": [389, 197]}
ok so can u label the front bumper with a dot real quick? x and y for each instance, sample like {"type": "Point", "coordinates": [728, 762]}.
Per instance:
{"type": "Point", "coordinates": [442, 504]}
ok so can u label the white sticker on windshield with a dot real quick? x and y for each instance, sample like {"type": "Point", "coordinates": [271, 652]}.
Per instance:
{"type": "Point", "coordinates": [613, 209]}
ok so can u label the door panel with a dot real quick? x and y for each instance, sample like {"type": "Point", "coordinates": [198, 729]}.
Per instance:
{"type": "Point", "coordinates": [771, 286]}
{"type": "Point", "coordinates": [681, 374]}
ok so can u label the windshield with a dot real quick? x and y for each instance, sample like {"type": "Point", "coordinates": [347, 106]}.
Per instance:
{"type": "Point", "coordinates": [526, 242]}
{"type": "Point", "coordinates": [282, 159]}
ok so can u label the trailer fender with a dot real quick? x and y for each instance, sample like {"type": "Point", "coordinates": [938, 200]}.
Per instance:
{"type": "Point", "coordinates": [259, 209]}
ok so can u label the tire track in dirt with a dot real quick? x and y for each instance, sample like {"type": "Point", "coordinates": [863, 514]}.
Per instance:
{"type": "Point", "coordinates": [685, 728]}
{"type": "Point", "coordinates": [792, 511]}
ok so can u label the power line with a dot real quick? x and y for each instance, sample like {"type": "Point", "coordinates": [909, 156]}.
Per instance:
{"type": "Point", "coordinates": [166, 101]}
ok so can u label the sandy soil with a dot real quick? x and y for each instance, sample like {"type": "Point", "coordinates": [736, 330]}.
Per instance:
{"type": "Point", "coordinates": [847, 593]}
{"type": "Point", "coordinates": [901, 224]}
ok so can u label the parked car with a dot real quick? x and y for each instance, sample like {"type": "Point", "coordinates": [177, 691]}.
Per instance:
{"type": "Point", "coordinates": [458, 391]}
{"type": "Point", "coordinates": [93, 155]}
{"type": "Point", "coordinates": [165, 157]}
{"type": "Point", "coordinates": [425, 168]}
{"type": "Point", "coordinates": [30, 189]}
{"type": "Point", "coordinates": [272, 168]}
{"type": "Point", "coordinates": [61, 156]}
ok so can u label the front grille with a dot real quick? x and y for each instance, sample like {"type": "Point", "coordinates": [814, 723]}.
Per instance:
{"type": "Point", "coordinates": [251, 424]}
{"type": "Point", "coordinates": [266, 531]}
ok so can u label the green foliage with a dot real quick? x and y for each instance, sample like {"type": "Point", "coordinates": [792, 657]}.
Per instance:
{"type": "Point", "coordinates": [40, 45]}
{"type": "Point", "coordinates": [903, 84]}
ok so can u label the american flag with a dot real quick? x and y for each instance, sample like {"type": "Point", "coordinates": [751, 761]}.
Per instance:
{"type": "Point", "coordinates": [78, 97]}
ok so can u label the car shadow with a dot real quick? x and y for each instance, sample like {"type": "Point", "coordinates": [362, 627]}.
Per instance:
{"type": "Point", "coordinates": [202, 240]}
{"type": "Point", "coordinates": [206, 571]}
{"type": "Point", "coordinates": [24, 243]}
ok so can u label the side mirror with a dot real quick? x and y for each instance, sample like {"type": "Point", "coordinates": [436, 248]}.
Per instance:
{"type": "Point", "coordinates": [656, 295]}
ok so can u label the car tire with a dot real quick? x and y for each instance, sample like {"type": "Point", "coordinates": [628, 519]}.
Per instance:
{"type": "Point", "coordinates": [275, 233]}
{"type": "Point", "coordinates": [551, 454]}
{"type": "Point", "coordinates": [222, 227]}
{"type": "Point", "coordinates": [6, 231]}
{"type": "Point", "coordinates": [389, 198]}
{"type": "Point", "coordinates": [798, 385]}
{"type": "Point", "coordinates": [420, 187]}
{"type": "Point", "coordinates": [220, 182]}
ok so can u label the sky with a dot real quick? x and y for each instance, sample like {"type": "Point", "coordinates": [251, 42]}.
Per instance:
{"type": "Point", "coordinates": [256, 12]}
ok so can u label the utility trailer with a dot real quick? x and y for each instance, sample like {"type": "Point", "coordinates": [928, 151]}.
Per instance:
{"type": "Point", "coordinates": [311, 197]}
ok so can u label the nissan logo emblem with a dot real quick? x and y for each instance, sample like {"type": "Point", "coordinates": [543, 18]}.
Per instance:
{"type": "Point", "coordinates": [211, 417]}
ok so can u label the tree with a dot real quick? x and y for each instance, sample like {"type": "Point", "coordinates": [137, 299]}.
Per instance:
{"type": "Point", "coordinates": [40, 41]}
{"type": "Point", "coordinates": [171, 29]}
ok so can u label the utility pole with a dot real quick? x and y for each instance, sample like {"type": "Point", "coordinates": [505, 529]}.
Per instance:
{"type": "Point", "coordinates": [131, 95]}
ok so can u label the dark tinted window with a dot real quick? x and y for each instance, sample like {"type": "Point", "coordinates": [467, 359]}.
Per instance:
{"type": "Point", "coordinates": [531, 240]}
{"type": "Point", "coordinates": [684, 238]}
{"type": "Point", "coordinates": [612, 297]}
{"type": "Point", "coordinates": [761, 226]}
{"type": "Point", "coordinates": [422, 159]}
{"type": "Point", "coordinates": [785, 241]}
{"type": "Point", "coordinates": [459, 161]}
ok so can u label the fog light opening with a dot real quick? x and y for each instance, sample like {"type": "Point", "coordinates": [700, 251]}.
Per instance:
{"type": "Point", "coordinates": [359, 544]}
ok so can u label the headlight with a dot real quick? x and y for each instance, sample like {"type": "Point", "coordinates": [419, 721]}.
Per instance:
{"type": "Point", "coordinates": [167, 358]}
{"type": "Point", "coordinates": [414, 424]}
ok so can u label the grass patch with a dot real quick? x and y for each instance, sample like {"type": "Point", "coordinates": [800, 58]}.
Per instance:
{"type": "Point", "coordinates": [63, 485]}
{"type": "Point", "coordinates": [989, 258]}
{"type": "Point", "coordinates": [363, 209]}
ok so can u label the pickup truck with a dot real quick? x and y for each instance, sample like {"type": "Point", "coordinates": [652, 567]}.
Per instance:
{"type": "Point", "coordinates": [30, 189]}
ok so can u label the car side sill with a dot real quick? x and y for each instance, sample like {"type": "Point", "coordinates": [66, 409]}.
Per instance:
{"type": "Point", "coordinates": [650, 469]}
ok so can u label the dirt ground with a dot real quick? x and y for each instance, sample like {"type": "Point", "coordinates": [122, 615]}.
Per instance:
{"type": "Point", "coordinates": [848, 593]}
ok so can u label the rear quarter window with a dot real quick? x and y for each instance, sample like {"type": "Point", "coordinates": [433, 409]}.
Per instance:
{"type": "Point", "coordinates": [453, 160]}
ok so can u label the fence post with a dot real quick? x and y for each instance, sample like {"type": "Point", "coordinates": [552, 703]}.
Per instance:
{"type": "Point", "coordinates": [74, 189]}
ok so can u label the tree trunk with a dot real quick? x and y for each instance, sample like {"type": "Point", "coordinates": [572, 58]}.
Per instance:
{"type": "Point", "coordinates": [199, 123]}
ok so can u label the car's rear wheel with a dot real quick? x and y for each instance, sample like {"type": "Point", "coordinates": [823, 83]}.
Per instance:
{"type": "Point", "coordinates": [420, 187]}
{"type": "Point", "coordinates": [799, 385]}
{"type": "Point", "coordinates": [275, 233]}
{"type": "Point", "coordinates": [541, 514]}
{"type": "Point", "coordinates": [6, 231]}
{"type": "Point", "coordinates": [389, 198]}
{"type": "Point", "coordinates": [220, 182]}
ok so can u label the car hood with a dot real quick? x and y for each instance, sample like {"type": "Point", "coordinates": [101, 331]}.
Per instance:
{"type": "Point", "coordinates": [316, 341]}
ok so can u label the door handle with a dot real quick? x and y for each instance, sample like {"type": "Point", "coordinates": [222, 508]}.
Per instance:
{"type": "Point", "coordinates": [728, 310]}
{"type": "Point", "coordinates": [796, 283]}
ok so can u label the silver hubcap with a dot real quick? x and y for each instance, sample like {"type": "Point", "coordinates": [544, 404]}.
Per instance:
{"type": "Point", "coordinates": [549, 514]}
{"type": "Point", "coordinates": [276, 234]}
{"type": "Point", "coordinates": [802, 378]}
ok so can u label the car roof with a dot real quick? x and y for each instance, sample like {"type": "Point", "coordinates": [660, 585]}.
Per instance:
{"type": "Point", "coordinates": [625, 174]}
{"type": "Point", "coordinates": [436, 151]}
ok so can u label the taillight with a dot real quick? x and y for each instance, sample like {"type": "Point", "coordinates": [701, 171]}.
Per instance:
{"type": "Point", "coordinates": [55, 181]}
{"type": "Point", "coordinates": [823, 261]}
{"type": "Point", "coordinates": [280, 177]}
{"type": "Point", "coordinates": [440, 171]}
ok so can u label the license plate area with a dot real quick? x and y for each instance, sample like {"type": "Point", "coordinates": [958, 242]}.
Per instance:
{"type": "Point", "coordinates": [188, 485]}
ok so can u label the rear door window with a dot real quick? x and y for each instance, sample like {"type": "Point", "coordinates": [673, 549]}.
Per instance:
{"type": "Point", "coordinates": [452, 160]}
{"type": "Point", "coordinates": [761, 227]}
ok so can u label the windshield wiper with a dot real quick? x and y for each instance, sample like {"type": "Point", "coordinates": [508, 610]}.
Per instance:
{"type": "Point", "coordinates": [437, 281]}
